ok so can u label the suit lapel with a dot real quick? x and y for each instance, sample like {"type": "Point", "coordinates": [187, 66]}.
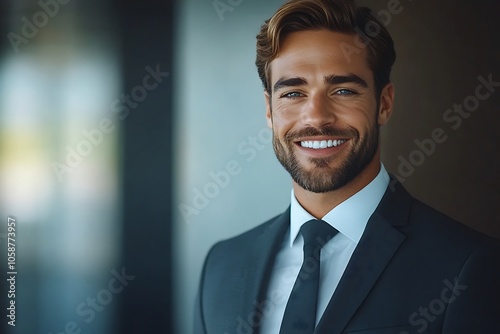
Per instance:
{"type": "Point", "coordinates": [376, 248]}
{"type": "Point", "coordinates": [260, 264]}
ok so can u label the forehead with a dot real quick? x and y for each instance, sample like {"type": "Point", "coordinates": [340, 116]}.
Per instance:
{"type": "Point", "coordinates": [321, 52]}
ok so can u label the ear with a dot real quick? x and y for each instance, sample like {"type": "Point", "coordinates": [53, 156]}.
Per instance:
{"type": "Point", "coordinates": [386, 104]}
{"type": "Point", "coordinates": [268, 110]}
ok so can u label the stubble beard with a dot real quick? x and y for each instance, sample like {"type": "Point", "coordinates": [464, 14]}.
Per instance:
{"type": "Point", "coordinates": [323, 177]}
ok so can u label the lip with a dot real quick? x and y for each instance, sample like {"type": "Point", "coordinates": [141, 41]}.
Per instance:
{"type": "Point", "coordinates": [322, 152]}
{"type": "Point", "coordinates": [319, 138]}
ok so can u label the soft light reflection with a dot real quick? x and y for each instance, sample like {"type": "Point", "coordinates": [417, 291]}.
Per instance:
{"type": "Point", "coordinates": [53, 93]}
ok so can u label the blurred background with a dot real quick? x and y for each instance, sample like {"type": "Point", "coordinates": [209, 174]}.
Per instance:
{"type": "Point", "coordinates": [86, 158]}
{"type": "Point", "coordinates": [133, 137]}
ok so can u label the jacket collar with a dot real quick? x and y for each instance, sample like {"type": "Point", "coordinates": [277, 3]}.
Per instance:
{"type": "Point", "coordinates": [377, 246]}
{"type": "Point", "coordinates": [258, 271]}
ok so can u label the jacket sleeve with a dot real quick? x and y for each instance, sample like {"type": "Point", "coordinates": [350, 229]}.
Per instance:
{"type": "Point", "coordinates": [199, 323]}
{"type": "Point", "coordinates": [199, 319]}
{"type": "Point", "coordinates": [475, 304]}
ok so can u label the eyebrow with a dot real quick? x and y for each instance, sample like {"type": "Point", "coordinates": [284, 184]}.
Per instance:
{"type": "Point", "coordinates": [330, 79]}
{"type": "Point", "coordinates": [291, 82]}
{"type": "Point", "coordinates": [350, 78]}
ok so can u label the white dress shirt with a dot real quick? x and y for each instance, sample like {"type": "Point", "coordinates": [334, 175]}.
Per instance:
{"type": "Point", "coordinates": [349, 218]}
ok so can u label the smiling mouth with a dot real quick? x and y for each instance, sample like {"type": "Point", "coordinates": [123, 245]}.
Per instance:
{"type": "Point", "coordinates": [321, 144]}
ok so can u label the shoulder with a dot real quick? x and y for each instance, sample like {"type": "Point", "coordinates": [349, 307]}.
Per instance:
{"type": "Point", "coordinates": [245, 241]}
{"type": "Point", "coordinates": [437, 241]}
{"type": "Point", "coordinates": [436, 226]}
{"type": "Point", "coordinates": [231, 258]}
{"type": "Point", "coordinates": [429, 233]}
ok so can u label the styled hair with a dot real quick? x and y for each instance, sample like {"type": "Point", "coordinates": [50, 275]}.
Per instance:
{"type": "Point", "coordinates": [335, 15]}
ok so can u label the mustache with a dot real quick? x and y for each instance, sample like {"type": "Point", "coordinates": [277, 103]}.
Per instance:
{"type": "Point", "coordinates": [323, 131]}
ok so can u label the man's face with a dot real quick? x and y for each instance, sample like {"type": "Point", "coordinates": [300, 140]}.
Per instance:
{"type": "Point", "coordinates": [323, 110]}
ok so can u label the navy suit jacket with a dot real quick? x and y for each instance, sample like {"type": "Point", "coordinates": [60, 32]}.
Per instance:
{"type": "Point", "coordinates": [414, 270]}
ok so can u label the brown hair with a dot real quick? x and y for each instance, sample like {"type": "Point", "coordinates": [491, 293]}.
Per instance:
{"type": "Point", "coordinates": [335, 15]}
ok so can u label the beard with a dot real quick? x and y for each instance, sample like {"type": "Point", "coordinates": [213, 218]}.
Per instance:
{"type": "Point", "coordinates": [323, 177]}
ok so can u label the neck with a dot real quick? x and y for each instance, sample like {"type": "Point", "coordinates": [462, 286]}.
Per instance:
{"type": "Point", "coordinates": [319, 204]}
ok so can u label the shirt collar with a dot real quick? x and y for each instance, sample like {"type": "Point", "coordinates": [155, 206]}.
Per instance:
{"type": "Point", "coordinates": [349, 217]}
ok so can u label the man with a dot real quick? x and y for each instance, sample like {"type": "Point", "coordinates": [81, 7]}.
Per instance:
{"type": "Point", "coordinates": [386, 262]}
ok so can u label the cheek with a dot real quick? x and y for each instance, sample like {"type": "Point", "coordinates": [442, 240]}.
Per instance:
{"type": "Point", "coordinates": [283, 120]}
{"type": "Point", "coordinates": [361, 118]}
{"type": "Point", "coordinates": [280, 128]}
{"type": "Point", "coordinates": [357, 121]}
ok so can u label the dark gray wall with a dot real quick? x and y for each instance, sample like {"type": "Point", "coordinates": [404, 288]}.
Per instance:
{"type": "Point", "coordinates": [442, 51]}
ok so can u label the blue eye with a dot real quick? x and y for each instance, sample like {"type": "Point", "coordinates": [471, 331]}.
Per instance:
{"type": "Point", "coordinates": [345, 92]}
{"type": "Point", "coordinates": [292, 95]}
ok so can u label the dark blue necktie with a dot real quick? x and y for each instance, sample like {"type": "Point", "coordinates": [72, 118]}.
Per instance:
{"type": "Point", "coordinates": [300, 311]}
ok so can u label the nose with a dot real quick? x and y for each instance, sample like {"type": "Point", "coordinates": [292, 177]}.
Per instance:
{"type": "Point", "coordinates": [318, 112]}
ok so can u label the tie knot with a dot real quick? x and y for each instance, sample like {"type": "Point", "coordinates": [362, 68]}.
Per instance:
{"type": "Point", "coordinates": [317, 233]}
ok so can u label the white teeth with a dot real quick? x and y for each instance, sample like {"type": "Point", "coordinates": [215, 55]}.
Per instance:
{"type": "Point", "coordinates": [316, 144]}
